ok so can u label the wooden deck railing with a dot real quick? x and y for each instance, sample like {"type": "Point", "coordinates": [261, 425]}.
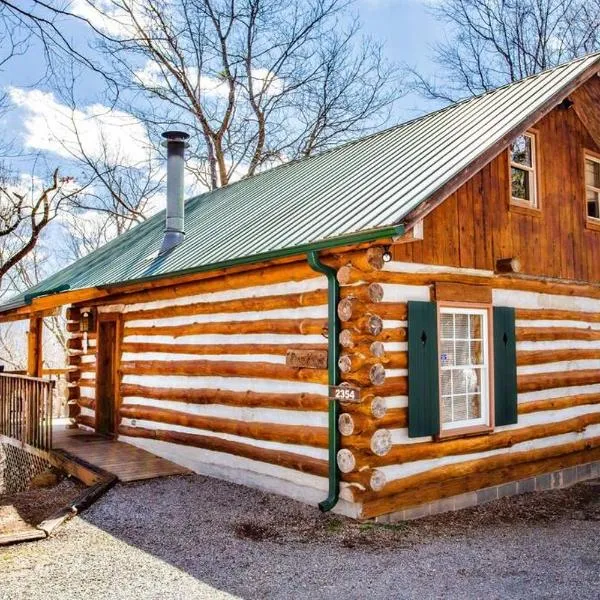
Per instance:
{"type": "Point", "coordinates": [26, 409]}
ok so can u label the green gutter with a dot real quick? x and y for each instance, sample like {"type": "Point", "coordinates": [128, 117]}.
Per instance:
{"type": "Point", "coordinates": [333, 351]}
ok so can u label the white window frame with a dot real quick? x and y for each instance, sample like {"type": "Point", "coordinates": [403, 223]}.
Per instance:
{"type": "Point", "coordinates": [532, 173]}
{"type": "Point", "coordinates": [486, 393]}
{"type": "Point", "coordinates": [595, 159]}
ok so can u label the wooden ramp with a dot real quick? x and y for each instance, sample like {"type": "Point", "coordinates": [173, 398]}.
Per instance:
{"type": "Point", "coordinates": [125, 461]}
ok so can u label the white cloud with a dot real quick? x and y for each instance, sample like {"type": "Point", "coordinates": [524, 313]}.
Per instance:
{"type": "Point", "coordinates": [105, 16]}
{"type": "Point", "coordinates": [151, 76]}
{"type": "Point", "coordinates": [102, 132]}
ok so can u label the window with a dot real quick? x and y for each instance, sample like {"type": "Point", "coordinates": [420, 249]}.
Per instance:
{"type": "Point", "coordinates": [464, 368]}
{"type": "Point", "coordinates": [592, 187]}
{"type": "Point", "coordinates": [523, 171]}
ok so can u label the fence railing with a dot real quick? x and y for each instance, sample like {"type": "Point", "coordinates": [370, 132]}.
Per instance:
{"type": "Point", "coordinates": [26, 409]}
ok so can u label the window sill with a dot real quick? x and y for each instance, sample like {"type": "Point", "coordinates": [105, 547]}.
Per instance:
{"type": "Point", "coordinates": [525, 209]}
{"type": "Point", "coordinates": [450, 434]}
{"type": "Point", "coordinates": [592, 225]}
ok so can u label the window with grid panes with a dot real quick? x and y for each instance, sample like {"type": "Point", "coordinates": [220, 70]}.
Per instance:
{"type": "Point", "coordinates": [523, 171]}
{"type": "Point", "coordinates": [592, 187]}
{"type": "Point", "coordinates": [464, 367]}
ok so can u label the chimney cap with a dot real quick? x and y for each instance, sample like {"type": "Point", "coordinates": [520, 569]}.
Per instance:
{"type": "Point", "coordinates": [175, 136]}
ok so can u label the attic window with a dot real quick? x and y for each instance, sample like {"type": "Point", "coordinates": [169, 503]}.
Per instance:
{"type": "Point", "coordinates": [592, 187]}
{"type": "Point", "coordinates": [523, 171]}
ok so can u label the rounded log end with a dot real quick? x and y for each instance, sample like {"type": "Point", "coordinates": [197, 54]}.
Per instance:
{"type": "Point", "coordinates": [375, 292]}
{"type": "Point", "coordinates": [377, 374]}
{"type": "Point", "coordinates": [345, 363]}
{"type": "Point", "coordinates": [344, 309]}
{"type": "Point", "coordinates": [345, 339]}
{"type": "Point", "coordinates": [375, 325]}
{"type": "Point", "coordinates": [375, 258]}
{"type": "Point", "coordinates": [346, 424]}
{"type": "Point", "coordinates": [377, 349]}
{"type": "Point", "coordinates": [344, 275]}
{"type": "Point", "coordinates": [346, 461]}
{"type": "Point", "coordinates": [378, 407]}
{"type": "Point", "coordinates": [381, 442]}
{"type": "Point", "coordinates": [378, 480]}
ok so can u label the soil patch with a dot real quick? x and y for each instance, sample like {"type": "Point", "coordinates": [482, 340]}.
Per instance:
{"type": "Point", "coordinates": [25, 510]}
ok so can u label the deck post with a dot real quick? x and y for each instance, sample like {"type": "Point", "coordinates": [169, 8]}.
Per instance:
{"type": "Point", "coordinates": [34, 347]}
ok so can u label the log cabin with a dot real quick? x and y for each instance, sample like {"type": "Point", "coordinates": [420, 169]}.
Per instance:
{"type": "Point", "coordinates": [406, 324]}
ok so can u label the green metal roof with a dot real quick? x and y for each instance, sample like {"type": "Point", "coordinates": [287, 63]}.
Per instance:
{"type": "Point", "coordinates": [360, 190]}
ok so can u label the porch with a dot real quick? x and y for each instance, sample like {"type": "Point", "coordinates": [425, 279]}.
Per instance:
{"type": "Point", "coordinates": [26, 420]}
{"type": "Point", "coordinates": [123, 460]}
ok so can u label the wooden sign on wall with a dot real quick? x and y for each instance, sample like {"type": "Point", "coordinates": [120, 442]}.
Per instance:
{"type": "Point", "coordinates": [306, 359]}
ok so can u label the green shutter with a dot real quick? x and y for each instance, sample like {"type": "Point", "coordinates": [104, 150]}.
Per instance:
{"type": "Point", "coordinates": [423, 382]}
{"type": "Point", "coordinates": [505, 366]}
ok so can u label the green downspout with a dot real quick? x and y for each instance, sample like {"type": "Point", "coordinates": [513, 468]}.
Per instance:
{"type": "Point", "coordinates": [333, 296]}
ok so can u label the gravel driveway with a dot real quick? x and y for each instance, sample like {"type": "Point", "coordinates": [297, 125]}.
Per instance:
{"type": "Point", "coordinates": [195, 537]}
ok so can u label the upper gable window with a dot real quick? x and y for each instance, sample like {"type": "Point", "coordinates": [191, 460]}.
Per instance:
{"type": "Point", "coordinates": [592, 187]}
{"type": "Point", "coordinates": [523, 171]}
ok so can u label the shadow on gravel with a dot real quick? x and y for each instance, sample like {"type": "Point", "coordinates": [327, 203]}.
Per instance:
{"type": "Point", "coordinates": [251, 544]}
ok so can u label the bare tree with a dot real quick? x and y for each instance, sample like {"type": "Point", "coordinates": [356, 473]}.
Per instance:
{"type": "Point", "coordinates": [43, 25]}
{"type": "Point", "coordinates": [257, 81]}
{"type": "Point", "coordinates": [25, 212]}
{"type": "Point", "coordinates": [493, 42]}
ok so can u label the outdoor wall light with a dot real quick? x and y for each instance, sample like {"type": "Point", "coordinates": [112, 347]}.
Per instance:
{"type": "Point", "coordinates": [387, 255]}
{"type": "Point", "coordinates": [87, 321]}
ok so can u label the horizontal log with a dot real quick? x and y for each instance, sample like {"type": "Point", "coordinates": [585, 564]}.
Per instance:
{"type": "Point", "coordinates": [246, 399]}
{"type": "Point", "coordinates": [290, 460]}
{"type": "Point", "coordinates": [480, 465]}
{"type": "Point", "coordinates": [74, 409]}
{"type": "Point", "coordinates": [289, 326]}
{"type": "Point", "coordinates": [217, 349]}
{"type": "Point", "coordinates": [370, 405]}
{"type": "Point", "coordinates": [551, 314]}
{"type": "Point", "coordinates": [540, 357]}
{"type": "Point", "coordinates": [379, 443]}
{"type": "Point", "coordinates": [74, 360]}
{"type": "Point", "coordinates": [365, 324]}
{"type": "Point", "coordinates": [351, 339]}
{"type": "Point", "coordinates": [558, 403]}
{"type": "Point", "coordinates": [552, 334]}
{"type": "Point", "coordinates": [393, 386]}
{"type": "Point", "coordinates": [218, 368]}
{"type": "Point", "coordinates": [371, 293]}
{"type": "Point", "coordinates": [453, 487]}
{"type": "Point", "coordinates": [545, 381]}
{"type": "Point", "coordinates": [405, 453]}
{"type": "Point", "coordinates": [238, 305]}
{"type": "Point", "coordinates": [73, 313]}
{"type": "Point", "coordinates": [352, 362]}
{"type": "Point", "coordinates": [86, 420]}
{"type": "Point", "coordinates": [73, 375]}
{"type": "Point", "coordinates": [73, 392]}
{"type": "Point", "coordinates": [357, 423]}
{"type": "Point", "coordinates": [87, 403]}
{"type": "Point", "coordinates": [216, 281]}
{"type": "Point", "coordinates": [73, 326]}
{"type": "Point", "coordinates": [273, 432]}
{"type": "Point", "coordinates": [508, 265]}
{"type": "Point", "coordinates": [74, 343]}
{"type": "Point", "coordinates": [373, 375]}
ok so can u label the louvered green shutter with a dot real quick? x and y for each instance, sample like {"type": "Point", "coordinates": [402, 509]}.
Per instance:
{"type": "Point", "coordinates": [423, 382]}
{"type": "Point", "coordinates": [505, 366]}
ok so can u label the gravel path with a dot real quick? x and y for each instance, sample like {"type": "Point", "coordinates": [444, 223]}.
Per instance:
{"type": "Point", "coordinates": [198, 538]}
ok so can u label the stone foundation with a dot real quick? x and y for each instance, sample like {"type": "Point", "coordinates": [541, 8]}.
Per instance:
{"type": "Point", "coordinates": [549, 481]}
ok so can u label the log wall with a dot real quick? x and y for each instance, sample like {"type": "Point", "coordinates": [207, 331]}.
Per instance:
{"type": "Point", "coordinates": [204, 381]}
{"type": "Point", "coordinates": [558, 355]}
